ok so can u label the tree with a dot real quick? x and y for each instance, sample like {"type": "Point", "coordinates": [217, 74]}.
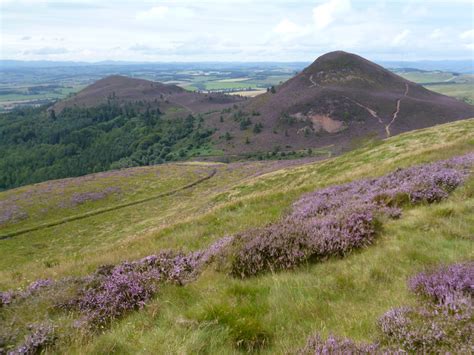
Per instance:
{"type": "Point", "coordinates": [257, 128]}
{"type": "Point", "coordinates": [227, 136]}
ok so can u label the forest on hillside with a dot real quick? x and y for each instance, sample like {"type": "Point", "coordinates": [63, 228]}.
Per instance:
{"type": "Point", "coordinates": [36, 144]}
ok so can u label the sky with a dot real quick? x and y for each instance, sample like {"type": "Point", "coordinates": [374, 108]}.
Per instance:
{"type": "Point", "coordinates": [235, 30]}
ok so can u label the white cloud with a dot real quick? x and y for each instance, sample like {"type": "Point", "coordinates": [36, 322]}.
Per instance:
{"type": "Point", "coordinates": [287, 27]}
{"type": "Point", "coordinates": [165, 13]}
{"type": "Point", "coordinates": [179, 30]}
{"type": "Point", "coordinates": [47, 51]}
{"type": "Point", "coordinates": [437, 34]}
{"type": "Point", "coordinates": [400, 38]}
{"type": "Point", "coordinates": [325, 14]}
{"type": "Point", "coordinates": [155, 13]}
{"type": "Point", "coordinates": [468, 35]}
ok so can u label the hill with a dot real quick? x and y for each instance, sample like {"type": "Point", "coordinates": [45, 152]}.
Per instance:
{"type": "Point", "coordinates": [123, 90]}
{"type": "Point", "coordinates": [114, 123]}
{"type": "Point", "coordinates": [274, 312]}
{"type": "Point", "coordinates": [339, 98]}
{"type": "Point", "coordinates": [330, 107]}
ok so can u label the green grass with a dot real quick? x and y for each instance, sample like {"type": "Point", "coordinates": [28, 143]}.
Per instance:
{"type": "Point", "coordinates": [58, 93]}
{"type": "Point", "coordinates": [273, 313]}
{"type": "Point", "coordinates": [464, 92]}
{"type": "Point", "coordinates": [458, 86]}
{"type": "Point", "coordinates": [427, 77]}
{"type": "Point", "coordinates": [218, 85]}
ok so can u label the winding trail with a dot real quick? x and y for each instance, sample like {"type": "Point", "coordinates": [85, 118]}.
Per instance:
{"type": "Point", "coordinates": [313, 83]}
{"type": "Point", "coordinates": [372, 112]}
{"type": "Point", "coordinates": [397, 111]}
{"type": "Point", "coordinates": [107, 209]}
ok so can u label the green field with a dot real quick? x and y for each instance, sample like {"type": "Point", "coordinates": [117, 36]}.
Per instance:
{"type": "Point", "coordinates": [422, 77]}
{"type": "Point", "coordinates": [24, 87]}
{"type": "Point", "coordinates": [464, 92]}
{"type": "Point", "coordinates": [216, 312]}
{"type": "Point", "coordinates": [460, 86]}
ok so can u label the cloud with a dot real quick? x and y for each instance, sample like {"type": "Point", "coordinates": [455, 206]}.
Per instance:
{"type": "Point", "coordinates": [400, 38]}
{"type": "Point", "coordinates": [155, 13]}
{"type": "Point", "coordinates": [164, 13]}
{"type": "Point", "coordinates": [240, 30]}
{"type": "Point", "coordinates": [326, 13]}
{"type": "Point", "coordinates": [468, 35]}
{"type": "Point", "coordinates": [47, 51]}
{"type": "Point", "coordinates": [437, 34]}
{"type": "Point", "coordinates": [287, 27]}
{"type": "Point", "coordinates": [140, 48]}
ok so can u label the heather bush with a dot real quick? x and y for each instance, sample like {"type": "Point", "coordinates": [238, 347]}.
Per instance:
{"type": "Point", "coordinates": [114, 290]}
{"type": "Point", "coordinates": [451, 287]}
{"type": "Point", "coordinates": [41, 335]}
{"type": "Point", "coordinates": [7, 297]}
{"type": "Point", "coordinates": [339, 219]}
{"type": "Point", "coordinates": [110, 296]}
{"type": "Point", "coordinates": [333, 345]}
{"type": "Point", "coordinates": [11, 213]}
{"type": "Point", "coordinates": [443, 320]}
{"type": "Point", "coordinates": [278, 246]}
{"type": "Point", "coordinates": [83, 197]}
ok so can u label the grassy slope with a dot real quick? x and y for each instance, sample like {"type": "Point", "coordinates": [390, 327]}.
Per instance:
{"type": "Point", "coordinates": [460, 87]}
{"type": "Point", "coordinates": [344, 297]}
{"type": "Point", "coordinates": [464, 92]}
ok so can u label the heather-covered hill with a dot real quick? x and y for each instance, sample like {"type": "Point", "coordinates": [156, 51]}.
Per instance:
{"type": "Point", "coordinates": [191, 301]}
{"type": "Point", "coordinates": [340, 98]}
{"type": "Point", "coordinates": [122, 90]}
{"type": "Point", "coordinates": [330, 107]}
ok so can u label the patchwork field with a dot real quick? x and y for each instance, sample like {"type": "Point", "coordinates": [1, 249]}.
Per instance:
{"type": "Point", "coordinates": [216, 313]}
{"type": "Point", "coordinates": [460, 86]}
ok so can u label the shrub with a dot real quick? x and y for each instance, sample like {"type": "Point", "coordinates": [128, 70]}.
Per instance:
{"type": "Point", "coordinates": [333, 345]}
{"type": "Point", "coordinates": [338, 219]}
{"type": "Point", "coordinates": [443, 320]}
{"type": "Point", "coordinates": [7, 297]}
{"type": "Point", "coordinates": [41, 335]}
{"type": "Point", "coordinates": [278, 246]}
{"type": "Point", "coordinates": [450, 286]}
{"type": "Point", "coordinates": [122, 290]}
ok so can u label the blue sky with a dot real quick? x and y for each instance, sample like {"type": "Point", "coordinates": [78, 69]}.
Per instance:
{"type": "Point", "coordinates": [235, 30]}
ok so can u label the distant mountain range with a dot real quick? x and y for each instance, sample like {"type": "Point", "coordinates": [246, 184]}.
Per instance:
{"type": "Point", "coordinates": [465, 66]}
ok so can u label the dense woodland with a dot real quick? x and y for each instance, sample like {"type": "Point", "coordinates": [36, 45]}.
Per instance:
{"type": "Point", "coordinates": [36, 144]}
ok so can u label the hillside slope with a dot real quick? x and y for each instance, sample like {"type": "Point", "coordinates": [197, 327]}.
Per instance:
{"type": "Point", "coordinates": [274, 312]}
{"type": "Point", "coordinates": [122, 90]}
{"type": "Point", "coordinates": [331, 107]}
{"type": "Point", "coordinates": [337, 99]}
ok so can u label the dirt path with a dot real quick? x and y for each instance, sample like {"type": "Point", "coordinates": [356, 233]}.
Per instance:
{"type": "Point", "coordinates": [107, 209]}
{"type": "Point", "coordinates": [397, 111]}
{"type": "Point", "coordinates": [313, 83]}
{"type": "Point", "coordinates": [372, 112]}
